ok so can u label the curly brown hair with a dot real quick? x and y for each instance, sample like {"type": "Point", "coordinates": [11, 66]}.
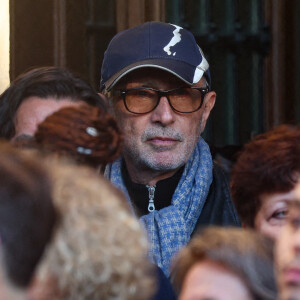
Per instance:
{"type": "Point", "coordinates": [268, 164]}
{"type": "Point", "coordinates": [87, 133]}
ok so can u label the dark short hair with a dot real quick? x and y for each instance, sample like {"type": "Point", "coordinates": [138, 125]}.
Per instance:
{"type": "Point", "coordinates": [27, 214]}
{"type": "Point", "coordinates": [246, 253]}
{"type": "Point", "coordinates": [42, 82]}
{"type": "Point", "coordinates": [268, 164]}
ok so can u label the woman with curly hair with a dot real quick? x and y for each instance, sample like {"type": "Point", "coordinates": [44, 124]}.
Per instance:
{"type": "Point", "coordinates": [264, 177]}
{"type": "Point", "coordinates": [98, 249]}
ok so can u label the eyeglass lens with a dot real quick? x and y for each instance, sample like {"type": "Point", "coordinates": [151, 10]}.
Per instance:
{"type": "Point", "coordinates": [183, 100]}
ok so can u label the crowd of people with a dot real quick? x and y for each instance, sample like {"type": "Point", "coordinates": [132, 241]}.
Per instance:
{"type": "Point", "coordinates": [114, 194]}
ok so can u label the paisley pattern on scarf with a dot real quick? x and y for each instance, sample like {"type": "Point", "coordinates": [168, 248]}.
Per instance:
{"type": "Point", "coordinates": [170, 228]}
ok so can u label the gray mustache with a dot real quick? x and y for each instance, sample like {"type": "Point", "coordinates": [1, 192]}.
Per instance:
{"type": "Point", "coordinates": [150, 133]}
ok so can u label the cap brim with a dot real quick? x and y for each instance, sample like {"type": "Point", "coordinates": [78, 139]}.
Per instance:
{"type": "Point", "coordinates": [180, 69]}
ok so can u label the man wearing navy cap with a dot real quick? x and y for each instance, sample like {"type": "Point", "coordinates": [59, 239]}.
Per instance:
{"type": "Point", "coordinates": [158, 83]}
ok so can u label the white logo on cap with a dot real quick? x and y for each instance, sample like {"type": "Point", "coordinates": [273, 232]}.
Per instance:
{"type": "Point", "coordinates": [175, 40]}
{"type": "Point", "coordinates": [200, 69]}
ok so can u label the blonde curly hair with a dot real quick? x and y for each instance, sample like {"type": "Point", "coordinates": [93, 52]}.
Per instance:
{"type": "Point", "coordinates": [99, 249]}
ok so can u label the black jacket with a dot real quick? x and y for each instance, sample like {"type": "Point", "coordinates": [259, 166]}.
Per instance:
{"type": "Point", "coordinates": [218, 208]}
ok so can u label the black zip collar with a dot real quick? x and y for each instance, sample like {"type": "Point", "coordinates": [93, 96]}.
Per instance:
{"type": "Point", "coordinates": [140, 193]}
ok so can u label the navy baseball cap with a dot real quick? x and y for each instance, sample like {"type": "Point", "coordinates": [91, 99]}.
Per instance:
{"type": "Point", "coordinates": [154, 44]}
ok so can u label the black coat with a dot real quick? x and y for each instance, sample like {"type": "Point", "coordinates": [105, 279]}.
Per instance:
{"type": "Point", "coordinates": [218, 208]}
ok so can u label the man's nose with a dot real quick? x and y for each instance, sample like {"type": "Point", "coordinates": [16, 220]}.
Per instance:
{"type": "Point", "coordinates": [163, 113]}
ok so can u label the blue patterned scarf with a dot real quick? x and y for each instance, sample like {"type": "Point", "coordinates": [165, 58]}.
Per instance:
{"type": "Point", "coordinates": [170, 228]}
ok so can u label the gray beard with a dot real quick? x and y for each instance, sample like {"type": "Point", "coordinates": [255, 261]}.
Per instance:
{"type": "Point", "coordinates": [146, 159]}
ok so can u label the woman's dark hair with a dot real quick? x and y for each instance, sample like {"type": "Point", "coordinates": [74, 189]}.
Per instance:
{"type": "Point", "coordinates": [43, 82]}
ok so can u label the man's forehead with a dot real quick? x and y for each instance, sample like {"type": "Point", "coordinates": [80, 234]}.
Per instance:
{"type": "Point", "coordinates": [148, 75]}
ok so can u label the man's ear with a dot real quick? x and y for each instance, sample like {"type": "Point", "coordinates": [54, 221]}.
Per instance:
{"type": "Point", "coordinates": [208, 104]}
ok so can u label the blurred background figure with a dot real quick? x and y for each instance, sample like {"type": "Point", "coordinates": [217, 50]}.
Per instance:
{"type": "Point", "coordinates": [226, 263]}
{"type": "Point", "coordinates": [27, 219]}
{"type": "Point", "coordinates": [34, 95]}
{"type": "Point", "coordinates": [264, 179]}
{"type": "Point", "coordinates": [99, 250]}
{"type": "Point", "coordinates": [287, 253]}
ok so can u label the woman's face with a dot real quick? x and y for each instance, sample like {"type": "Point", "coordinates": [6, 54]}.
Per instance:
{"type": "Point", "coordinates": [273, 212]}
{"type": "Point", "coordinates": [210, 280]}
